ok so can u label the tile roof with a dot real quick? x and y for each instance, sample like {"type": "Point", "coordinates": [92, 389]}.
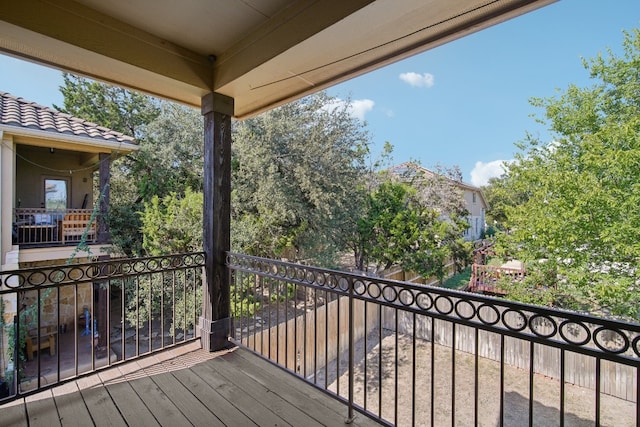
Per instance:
{"type": "Point", "coordinates": [19, 112]}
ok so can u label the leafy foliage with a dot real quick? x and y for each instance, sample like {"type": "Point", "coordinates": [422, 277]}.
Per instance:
{"type": "Point", "coordinates": [173, 296]}
{"type": "Point", "coordinates": [298, 175]}
{"type": "Point", "coordinates": [169, 160]}
{"type": "Point", "coordinates": [401, 228]}
{"type": "Point", "coordinates": [170, 225]}
{"type": "Point", "coordinates": [300, 185]}
{"type": "Point", "coordinates": [173, 224]}
{"type": "Point", "coordinates": [109, 106]}
{"type": "Point", "coordinates": [574, 201]}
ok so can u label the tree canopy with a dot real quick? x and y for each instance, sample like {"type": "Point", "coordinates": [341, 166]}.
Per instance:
{"type": "Point", "coordinates": [298, 175]}
{"type": "Point", "coordinates": [303, 185]}
{"type": "Point", "coordinates": [414, 220]}
{"type": "Point", "coordinates": [574, 202]}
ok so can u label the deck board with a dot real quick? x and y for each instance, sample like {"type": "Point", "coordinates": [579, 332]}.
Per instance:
{"type": "Point", "coordinates": [223, 409]}
{"type": "Point", "coordinates": [126, 400]}
{"type": "Point", "coordinates": [182, 386]}
{"type": "Point", "coordinates": [279, 406]}
{"type": "Point", "coordinates": [297, 392]}
{"type": "Point", "coordinates": [13, 414]}
{"type": "Point", "coordinates": [71, 407]}
{"type": "Point", "coordinates": [42, 410]}
{"type": "Point", "coordinates": [241, 398]}
{"type": "Point", "coordinates": [153, 397]}
{"type": "Point", "coordinates": [181, 396]}
{"type": "Point", "coordinates": [98, 401]}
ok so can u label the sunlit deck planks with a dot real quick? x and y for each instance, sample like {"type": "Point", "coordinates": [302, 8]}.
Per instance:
{"type": "Point", "coordinates": [182, 386]}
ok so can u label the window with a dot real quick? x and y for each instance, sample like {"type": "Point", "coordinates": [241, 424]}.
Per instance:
{"type": "Point", "coordinates": [474, 197]}
{"type": "Point", "coordinates": [56, 193]}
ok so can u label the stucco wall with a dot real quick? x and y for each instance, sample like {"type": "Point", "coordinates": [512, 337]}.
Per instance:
{"type": "Point", "coordinates": [476, 218]}
{"type": "Point", "coordinates": [42, 164]}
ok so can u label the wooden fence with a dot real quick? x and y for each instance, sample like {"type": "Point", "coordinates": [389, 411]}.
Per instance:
{"type": "Point", "coordinates": [397, 273]}
{"type": "Point", "coordinates": [616, 379]}
{"type": "Point", "coordinates": [305, 343]}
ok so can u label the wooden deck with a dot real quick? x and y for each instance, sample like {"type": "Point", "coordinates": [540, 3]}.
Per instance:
{"type": "Point", "coordinates": [181, 387]}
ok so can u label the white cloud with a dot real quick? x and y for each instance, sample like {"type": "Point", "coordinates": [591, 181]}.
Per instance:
{"type": "Point", "coordinates": [482, 172]}
{"type": "Point", "coordinates": [357, 108]}
{"type": "Point", "coordinates": [418, 80]}
{"type": "Point", "coordinates": [360, 107]}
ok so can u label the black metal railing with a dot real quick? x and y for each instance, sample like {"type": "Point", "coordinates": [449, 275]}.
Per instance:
{"type": "Point", "coordinates": [33, 227]}
{"type": "Point", "coordinates": [59, 322]}
{"type": "Point", "coordinates": [407, 354]}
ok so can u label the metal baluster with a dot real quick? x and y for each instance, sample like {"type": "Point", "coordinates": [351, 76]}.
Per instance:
{"type": "Point", "coordinates": [531, 361]}
{"type": "Point", "coordinates": [453, 374]}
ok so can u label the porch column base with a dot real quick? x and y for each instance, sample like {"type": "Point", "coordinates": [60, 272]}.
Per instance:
{"type": "Point", "coordinates": [214, 335]}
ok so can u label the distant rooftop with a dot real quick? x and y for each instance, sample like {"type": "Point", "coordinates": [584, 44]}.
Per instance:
{"type": "Point", "coordinates": [19, 112]}
{"type": "Point", "coordinates": [410, 170]}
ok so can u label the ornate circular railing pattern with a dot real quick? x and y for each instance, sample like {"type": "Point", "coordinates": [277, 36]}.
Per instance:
{"type": "Point", "coordinates": [606, 338]}
{"type": "Point", "coordinates": [34, 278]}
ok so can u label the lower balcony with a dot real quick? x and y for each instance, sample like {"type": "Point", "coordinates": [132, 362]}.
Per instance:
{"type": "Point", "coordinates": [309, 346]}
{"type": "Point", "coordinates": [40, 227]}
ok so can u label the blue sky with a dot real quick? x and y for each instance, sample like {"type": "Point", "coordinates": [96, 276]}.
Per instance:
{"type": "Point", "coordinates": [464, 103]}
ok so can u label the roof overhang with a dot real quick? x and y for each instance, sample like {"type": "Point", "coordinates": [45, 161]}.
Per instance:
{"type": "Point", "coordinates": [42, 138]}
{"type": "Point", "coordinates": [262, 53]}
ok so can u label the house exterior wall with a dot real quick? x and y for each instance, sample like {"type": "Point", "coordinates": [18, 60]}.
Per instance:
{"type": "Point", "coordinates": [474, 202]}
{"type": "Point", "coordinates": [30, 177]}
{"type": "Point", "coordinates": [23, 187]}
{"type": "Point", "coordinates": [7, 190]}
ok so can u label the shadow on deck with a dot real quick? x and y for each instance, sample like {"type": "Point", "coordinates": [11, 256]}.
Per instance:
{"type": "Point", "coordinates": [183, 386]}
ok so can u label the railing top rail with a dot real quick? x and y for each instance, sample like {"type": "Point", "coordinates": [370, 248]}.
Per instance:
{"type": "Point", "coordinates": [432, 289]}
{"type": "Point", "coordinates": [57, 275]}
{"type": "Point", "coordinates": [587, 333]}
{"type": "Point", "coordinates": [23, 212]}
{"type": "Point", "coordinates": [496, 268]}
{"type": "Point", "coordinates": [51, 210]}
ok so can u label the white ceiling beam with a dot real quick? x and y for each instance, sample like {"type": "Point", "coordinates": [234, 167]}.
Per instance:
{"type": "Point", "coordinates": [284, 31]}
{"type": "Point", "coordinates": [69, 23]}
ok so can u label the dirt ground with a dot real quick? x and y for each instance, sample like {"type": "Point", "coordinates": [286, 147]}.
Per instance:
{"type": "Point", "coordinates": [395, 405]}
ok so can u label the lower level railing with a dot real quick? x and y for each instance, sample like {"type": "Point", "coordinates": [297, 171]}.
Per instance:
{"type": "Point", "coordinates": [486, 279]}
{"type": "Point", "coordinates": [59, 322]}
{"type": "Point", "coordinates": [408, 354]}
{"type": "Point", "coordinates": [35, 227]}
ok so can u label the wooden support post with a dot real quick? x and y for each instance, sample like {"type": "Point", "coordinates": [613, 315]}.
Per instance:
{"type": "Point", "coordinates": [215, 322]}
{"type": "Point", "coordinates": [104, 236]}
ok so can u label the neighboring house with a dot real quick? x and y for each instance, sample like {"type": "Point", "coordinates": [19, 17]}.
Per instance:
{"type": "Point", "coordinates": [477, 207]}
{"type": "Point", "coordinates": [47, 161]}
{"type": "Point", "coordinates": [474, 199]}
{"type": "Point", "coordinates": [53, 166]}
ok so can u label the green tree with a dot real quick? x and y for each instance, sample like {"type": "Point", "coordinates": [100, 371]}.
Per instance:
{"type": "Point", "coordinates": [401, 228]}
{"type": "Point", "coordinates": [174, 150]}
{"type": "Point", "coordinates": [169, 159]}
{"type": "Point", "coordinates": [109, 106]}
{"type": "Point", "coordinates": [170, 225]}
{"type": "Point", "coordinates": [129, 113]}
{"type": "Point", "coordinates": [173, 224]}
{"type": "Point", "coordinates": [298, 176]}
{"type": "Point", "coordinates": [357, 237]}
{"type": "Point", "coordinates": [499, 197]}
{"type": "Point", "coordinates": [577, 197]}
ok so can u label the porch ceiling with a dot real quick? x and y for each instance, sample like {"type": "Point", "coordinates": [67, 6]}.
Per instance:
{"type": "Point", "coordinates": [260, 52]}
